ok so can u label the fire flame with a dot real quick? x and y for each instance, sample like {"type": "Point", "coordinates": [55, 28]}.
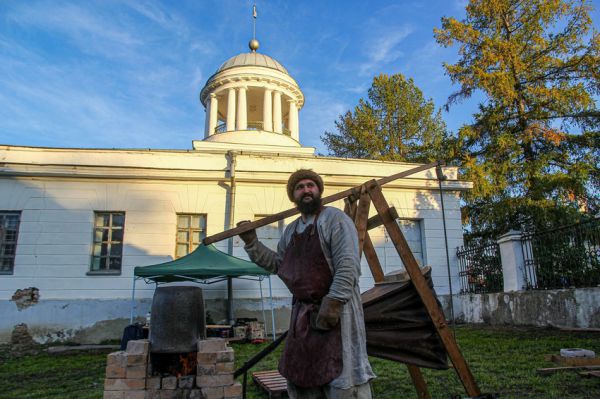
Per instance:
{"type": "Point", "coordinates": [187, 363]}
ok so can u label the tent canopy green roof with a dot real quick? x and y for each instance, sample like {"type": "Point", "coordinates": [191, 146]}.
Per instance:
{"type": "Point", "coordinates": [204, 263]}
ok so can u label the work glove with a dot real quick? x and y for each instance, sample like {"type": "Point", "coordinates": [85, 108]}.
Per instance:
{"type": "Point", "coordinates": [248, 237]}
{"type": "Point", "coordinates": [329, 314]}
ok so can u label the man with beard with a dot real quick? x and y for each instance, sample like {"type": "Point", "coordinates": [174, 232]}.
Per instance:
{"type": "Point", "coordinates": [317, 258]}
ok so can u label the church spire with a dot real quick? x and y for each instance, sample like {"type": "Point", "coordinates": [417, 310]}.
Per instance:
{"type": "Point", "coordinates": [254, 44]}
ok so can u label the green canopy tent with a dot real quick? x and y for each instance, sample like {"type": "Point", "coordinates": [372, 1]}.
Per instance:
{"type": "Point", "coordinates": [205, 265]}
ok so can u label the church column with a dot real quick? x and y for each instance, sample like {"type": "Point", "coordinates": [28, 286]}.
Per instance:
{"type": "Point", "coordinates": [293, 120]}
{"type": "Point", "coordinates": [268, 111]}
{"type": "Point", "coordinates": [206, 119]}
{"type": "Point", "coordinates": [231, 110]}
{"type": "Point", "coordinates": [277, 112]}
{"type": "Point", "coordinates": [242, 113]}
{"type": "Point", "coordinates": [214, 108]}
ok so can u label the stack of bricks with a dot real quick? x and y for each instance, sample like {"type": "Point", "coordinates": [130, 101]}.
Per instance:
{"type": "Point", "coordinates": [215, 370]}
{"type": "Point", "coordinates": [129, 374]}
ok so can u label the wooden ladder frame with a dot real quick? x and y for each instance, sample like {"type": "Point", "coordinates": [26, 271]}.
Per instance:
{"type": "Point", "coordinates": [358, 201]}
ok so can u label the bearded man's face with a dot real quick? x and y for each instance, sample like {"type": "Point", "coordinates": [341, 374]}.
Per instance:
{"type": "Point", "coordinates": [307, 196]}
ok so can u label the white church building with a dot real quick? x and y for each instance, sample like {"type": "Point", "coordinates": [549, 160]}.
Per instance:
{"type": "Point", "coordinates": [75, 222]}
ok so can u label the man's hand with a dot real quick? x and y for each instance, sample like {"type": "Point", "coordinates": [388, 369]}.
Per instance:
{"type": "Point", "coordinates": [249, 236]}
{"type": "Point", "coordinates": [329, 313]}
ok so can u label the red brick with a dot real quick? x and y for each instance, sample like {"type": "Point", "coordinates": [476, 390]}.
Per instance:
{"type": "Point", "coordinates": [136, 360]}
{"type": "Point", "coordinates": [152, 394]}
{"type": "Point", "coordinates": [186, 382]}
{"type": "Point", "coordinates": [120, 384]}
{"type": "Point", "coordinates": [153, 383]}
{"type": "Point", "coordinates": [193, 394]}
{"type": "Point", "coordinates": [228, 367]}
{"type": "Point", "coordinates": [115, 370]}
{"type": "Point", "coordinates": [119, 358]}
{"type": "Point", "coordinates": [218, 380]}
{"type": "Point", "coordinates": [170, 394]}
{"type": "Point", "coordinates": [136, 371]}
{"type": "Point", "coordinates": [225, 356]}
{"type": "Point", "coordinates": [138, 347]}
{"type": "Point", "coordinates": [212, 345]}
{"type": "Point", "coordinates": [207, 358]}
{"type": "Point", "coordinates": [113, 395]}
{"type": "Point", "coordinates": [169, 383]}
{"type": "Point", "coordinates": [233, 391]}
{"type": "Point", "coordinates": [206, 369]}
{"type": "Point", "coordinates": [135, 395]}
{"type": "Point", "coordinates": [213, 393]}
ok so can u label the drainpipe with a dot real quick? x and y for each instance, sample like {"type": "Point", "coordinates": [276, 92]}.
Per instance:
{"type": "Point", "coordinates": [231, 155]}
{"type": "Point", "coordinates": [440, 178]}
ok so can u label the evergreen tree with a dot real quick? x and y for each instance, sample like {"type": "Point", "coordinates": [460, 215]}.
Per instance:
{"type": "Point", "coordinates": [533, 149]}
{"type": "Point", "coordinates": [396, 123]}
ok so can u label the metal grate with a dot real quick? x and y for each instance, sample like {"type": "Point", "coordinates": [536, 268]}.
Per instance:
{"type": "Point", "coordinates": [562, 258]}
{"type": "Point", "coordinates": [480, 269]}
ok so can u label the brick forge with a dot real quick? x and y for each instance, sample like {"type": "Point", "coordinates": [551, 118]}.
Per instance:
{"type": "Point", "coordinates": [129, 374]}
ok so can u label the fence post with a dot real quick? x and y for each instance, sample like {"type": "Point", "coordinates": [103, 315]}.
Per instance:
{"type": "Point", "coordinates": [513, 263]}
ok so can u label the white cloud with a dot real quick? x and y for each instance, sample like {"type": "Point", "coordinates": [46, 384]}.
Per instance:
{"type": "Point", "coordinates": [167, 20]}
{"type": "Point", "coordinates": [383, 49]}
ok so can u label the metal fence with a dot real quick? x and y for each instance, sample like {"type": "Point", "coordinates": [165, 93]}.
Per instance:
{"type": "Point", "coordinates": [564, 257]}
{"type": "Point", "coordinates": [480, 269]}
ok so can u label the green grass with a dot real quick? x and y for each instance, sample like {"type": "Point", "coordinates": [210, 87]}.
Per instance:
{"type": "Point", "coordinates": [503, 360]}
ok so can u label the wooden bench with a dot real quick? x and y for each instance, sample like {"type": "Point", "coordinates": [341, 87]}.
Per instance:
{"type": "Point", "coordinates": [271, 381]}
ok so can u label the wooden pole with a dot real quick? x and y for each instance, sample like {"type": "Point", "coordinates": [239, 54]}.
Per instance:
{"type": "Point", "coordinates": [362, 217]}
{"type": "Point", "coordinates": [418, 382]}
{"type": "Point", "coordinates": [291, 212]}
{"type": "Point", "coordinates": [372, 259]}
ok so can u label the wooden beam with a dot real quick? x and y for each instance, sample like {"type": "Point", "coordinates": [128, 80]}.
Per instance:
{"type": "Point", "coordinates": [291, 212]}
{"type": "Point", "coordinates": [350, 208]}
{"type": "Point", "coordinates": [361, 217]}
{"type": "Point", "coordinates": [372, 259]}
{"type": "Point", "coordinates": [551, 370]}
{"type": "Point", "coordinates": [418, 382]}
{"type": "Point", "coordinates": [375, 221]}
{"type": "Point", "coordinates": [426, 293]}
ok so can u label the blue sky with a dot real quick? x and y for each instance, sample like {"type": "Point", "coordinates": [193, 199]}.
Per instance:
{"type": "Point", "coordinates": [127, 74]}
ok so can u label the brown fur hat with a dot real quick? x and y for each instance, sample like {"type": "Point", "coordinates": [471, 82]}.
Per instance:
{"type": "Point", "coordinates": [302, 174]}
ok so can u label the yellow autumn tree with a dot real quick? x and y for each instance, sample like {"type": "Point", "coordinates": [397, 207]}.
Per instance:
{"type": "Point", "coordinates": [533, 148]}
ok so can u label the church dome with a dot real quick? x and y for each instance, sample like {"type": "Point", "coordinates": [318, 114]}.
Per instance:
{"type": "Point", "coordinates": [252, 100]}
{"type": "Point", "coordinates": [252, 59]}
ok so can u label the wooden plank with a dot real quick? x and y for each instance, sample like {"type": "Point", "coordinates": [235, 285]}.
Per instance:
{"type": "Point", "coordinates": [573, 329]}
{"type": "Point", "coordinates": [418, 382]}
{"type": "Point", "coordinates": [426, 293]}
{"type": "Point", "coordinates": [361, 218]}
{"type": "Point", "coordinates": [551, 370]}
{"type": "Point", "coordinates": [350, 208]}
{"type": "Point", "coordinates": [372, 259]}
{"type": "Point", "coordinates": [270, 381]}
{"type": "Point", "coordinates": [573, 361]}
{"type": "Point", "coordinates": [589, 374]}
{"type": "Point", "coordinates": [375, 221]}
{"type": "Point", "coordinates": [291, 212]}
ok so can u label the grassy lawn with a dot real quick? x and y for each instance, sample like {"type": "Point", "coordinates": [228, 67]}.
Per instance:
{"type": "Point", "coordinates": [503, 361]}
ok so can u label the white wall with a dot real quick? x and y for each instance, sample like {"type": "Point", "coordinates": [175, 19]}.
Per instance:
{"type": "Point", "coordinates": [58, 203]}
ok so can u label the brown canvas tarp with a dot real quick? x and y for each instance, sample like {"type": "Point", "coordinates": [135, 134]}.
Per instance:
{"type": "Point", "coordinates": [399, 327]}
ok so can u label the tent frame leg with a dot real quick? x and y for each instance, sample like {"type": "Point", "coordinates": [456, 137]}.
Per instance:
{"type": "Point", "coordinates": [133, 305]}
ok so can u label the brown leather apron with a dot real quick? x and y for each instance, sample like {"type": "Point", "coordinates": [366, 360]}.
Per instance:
{"type": "Point", "coordinates": [311, 358]}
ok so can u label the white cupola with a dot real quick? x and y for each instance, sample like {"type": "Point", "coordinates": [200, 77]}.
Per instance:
{"type": "Point", "coordinates": [252, 99]}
